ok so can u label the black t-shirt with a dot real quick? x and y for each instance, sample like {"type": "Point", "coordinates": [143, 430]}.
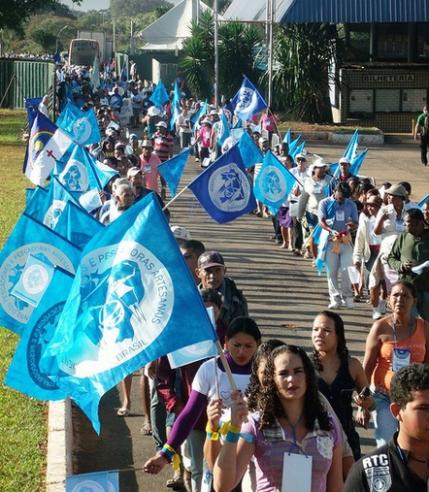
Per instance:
{"type": "Point", "coordinates": [384, 470]}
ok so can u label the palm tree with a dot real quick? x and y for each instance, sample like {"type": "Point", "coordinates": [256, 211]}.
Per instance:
{"type": "Point", "coordinates": [302, 55]}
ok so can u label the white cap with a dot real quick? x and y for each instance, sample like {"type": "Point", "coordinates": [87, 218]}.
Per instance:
{"type": "Point", "coordinates": [300, 156]}
{"type": "Point", "coordinates": [344, 160]}
{"type": "Point", "coordinates": [162, 123]}
{"type": "Point", "coordinates": [180, 232]}
{"type": "Point", "coordinates": [153, 111]}
{"type": "Point", "coordinates": [319, 163]}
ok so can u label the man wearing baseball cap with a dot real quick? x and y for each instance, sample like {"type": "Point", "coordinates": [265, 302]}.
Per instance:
{"type": "Point", "coordinates": [163, 149]}
{"type": "Point", "coordinates": [344, 175]}
{"type": "Point", "coordinates": [211, 271]}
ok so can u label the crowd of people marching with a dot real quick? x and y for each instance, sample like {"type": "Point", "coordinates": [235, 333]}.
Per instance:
{"type": "Point", "coordinates": [288, 422]}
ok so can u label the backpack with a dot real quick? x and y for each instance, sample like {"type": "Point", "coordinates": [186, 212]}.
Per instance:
{"type": "Point", "coordinates": [425, 128]}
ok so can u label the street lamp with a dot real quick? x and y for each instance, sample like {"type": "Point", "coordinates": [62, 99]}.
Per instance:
{"type": "Point", "coordinates": [58, 35]}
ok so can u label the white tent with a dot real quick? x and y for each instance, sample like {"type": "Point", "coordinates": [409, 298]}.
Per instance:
{"type": "Point", "coordinates": [169, 31]}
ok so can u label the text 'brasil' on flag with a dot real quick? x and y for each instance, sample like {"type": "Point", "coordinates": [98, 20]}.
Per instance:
{"type": "Point", "coordinates": [133, 300]}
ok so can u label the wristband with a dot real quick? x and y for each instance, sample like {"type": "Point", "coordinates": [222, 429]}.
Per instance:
{"type": "Point", "coordinates": [232, 436]}
{"type": "Point", "coordinates": [210, 429]}
{"type": "Point", "coordinates": [171, 456]}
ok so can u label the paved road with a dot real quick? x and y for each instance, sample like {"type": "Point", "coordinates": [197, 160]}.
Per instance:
{"type": "Point", "coordinates": [284, 295]}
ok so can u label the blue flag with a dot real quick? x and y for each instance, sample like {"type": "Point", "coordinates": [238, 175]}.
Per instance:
{"type": "Point", "coordinates": [76, 225]}
{"type": "Point", "coordinates": [247, 102]}
{"type": "Point", "coordinates": [41, 131]}
{"type": "Point", "coordinates": [320, 237]}
{"type": "Point", "coordinates": [82, 172]}
{"type": "Point", "coordinates": [29, 237]}
{"type": "Point", "coordinates": [356, 162]}
{"type": "Point", "coordinates": [250, 153]}
{"type": "Point", "coordinates": [47, 204]}
{"type": "Point", "coordinates": [31, 105]}
{"type": "Point", "coordinates": [159, 96]}
{"type": "Point", "coordinates": [133, 300]}
{"type": "Point", "coordinates": [225, 131]}
{"type": "Point", "coordinates": [25, 373]}
{"type": "Point", "coordinates": [224, 189]}
{"type": "Point", "coordinates": [197, 116]}
{"type": "Point", "coordinates": [423, 201]}
{"type": "Point", "coordinates": [350, 151]}
{"type": "Point", "coordinates": [294, 145]}
{"type": "Point", "coordinates": [172, 169]}
{"type": "Point", "coordinates": [298, 149]}
{"type": "Point", "coordinates": [82, 126]}
{"type": "Point", "coordinates": [273, 183]}
{"type": "Point", "coordinates": [106, 481]}
{"type": "Point", "coordinates": [175, 106]}
{"type": "Point", "coordinates": [288, 137]}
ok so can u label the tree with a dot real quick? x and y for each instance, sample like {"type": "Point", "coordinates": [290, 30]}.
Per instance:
{"type": "Point", "coordinates": [302, 55]}
{"type": "Point", "coordinates": [46, 39]}
{"type": "Point", "coordinates": [13, 13]}
{"type": "Point", "coordinates": [236, 45]}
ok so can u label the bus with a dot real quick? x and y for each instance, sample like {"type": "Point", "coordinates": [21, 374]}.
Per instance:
{"type": "Point", "coordinates": [83, 52]}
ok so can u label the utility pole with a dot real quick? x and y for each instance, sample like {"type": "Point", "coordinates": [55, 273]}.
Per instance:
{"type": "Point", "coordinates": [216, 54]}
{"type": "Point", "coordinates": [270, 15]}
{"type": "Point", "coordinates": [131, 37]}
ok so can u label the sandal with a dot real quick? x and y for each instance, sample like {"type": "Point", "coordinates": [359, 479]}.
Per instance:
{"type": "Point", "coordinates": [123, 412]}
{"type": "Point", "coordinates": [175, 483]}
{"type": "Point", "coordinates": [146, 429]}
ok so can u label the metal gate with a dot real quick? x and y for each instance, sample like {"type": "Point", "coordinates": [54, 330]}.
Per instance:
{"type": "Point", "coordinates": [20, 79]}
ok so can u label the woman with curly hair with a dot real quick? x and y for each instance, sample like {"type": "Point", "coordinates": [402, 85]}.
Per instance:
{"type": "Point", "coordinates": [339, 374]}
{"type": "Point", "coordinates": [290, 418]}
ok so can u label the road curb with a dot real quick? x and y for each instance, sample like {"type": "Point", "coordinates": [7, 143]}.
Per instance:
{"type": "Point", "coordinates": [60, 441]}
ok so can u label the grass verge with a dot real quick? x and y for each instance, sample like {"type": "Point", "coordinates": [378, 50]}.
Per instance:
{"type": "Point", "coordinates": [23, 422]}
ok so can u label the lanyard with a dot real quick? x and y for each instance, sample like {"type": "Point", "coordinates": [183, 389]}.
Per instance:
{"type": "Point", "coordinates": [293, 427]}
{"type": "Point", "coordinates": [410, 329]}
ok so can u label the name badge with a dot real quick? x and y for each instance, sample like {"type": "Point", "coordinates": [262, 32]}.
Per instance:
{"type": "Point", "coordinates": [317, 188]}
{"type": "Point", "coordinates": [147, 169]}
{"type": "Point", "coordinates": [339, 215]}
{"type": "Point", "coordinates": [296, 472]}
{"type": "Point", "coordinates": [401, 358]}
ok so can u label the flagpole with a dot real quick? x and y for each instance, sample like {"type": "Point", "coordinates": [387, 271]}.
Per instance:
{"type": "Point", "coordinates": [226, 366]}
{"type": "Point", "coordinates": [216, 55]}
{"type": "Point", "coordinates": [175, 198]}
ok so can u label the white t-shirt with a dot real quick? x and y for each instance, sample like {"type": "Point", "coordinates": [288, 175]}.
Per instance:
{"type": "Point", "coordinates": [205, 383]}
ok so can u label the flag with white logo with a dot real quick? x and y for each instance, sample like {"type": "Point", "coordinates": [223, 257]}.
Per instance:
{"type": "Point", "coordinates": [273, 183]}
{"type": "Point", "coordinates": [133, 300]}
{"type": "Point", "coordinates": [248, 101]}
{"type": "Point", "coordinates": [81, 126]}
{"type": "Point", "coordinates": [224, 189]}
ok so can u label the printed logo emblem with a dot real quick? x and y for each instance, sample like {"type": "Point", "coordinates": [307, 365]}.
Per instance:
{"type": "Point", "coordinates": [273, 183]}
{"type": "Point", "coordinates": [35, 279]}
{"type": "Point", "coordinates": [12, 269]}
{"type": "Point", "coordinates": [229, 188]}
{"type": "Point", "coordinates": [127, 298]}
{"type": "Point", "coordinates": [53, 213]}
{"type": "Point", "coordinates": [247, 101]}
{"type": "Point", "coordinates": [40, 337]}
{"type": "Point", "coordinates": [88, 486]}
{"type": "Point", "coordinates": [74, 176]}
{"type": "Point", "coordinates": [379, 479]}
{"type": "Point", "coordinates": [82, 130]}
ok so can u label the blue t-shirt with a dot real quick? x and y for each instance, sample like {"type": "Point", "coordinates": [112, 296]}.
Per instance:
{"type": "Point", "coordinates": [339, 213]}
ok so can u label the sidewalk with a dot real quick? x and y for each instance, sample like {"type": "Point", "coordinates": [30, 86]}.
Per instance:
{"type": "Point", "coordinates": [284, 294]}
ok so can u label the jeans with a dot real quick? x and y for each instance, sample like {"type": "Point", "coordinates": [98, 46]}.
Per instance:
{"type": "Point", "coordinates": [424, 141]}
{"type": "Point", "coordinates": [385, 424]}
{"type": "Point", "coordinates": [158, 416]}
{"type": "Point", "coordinates": [423, 304]}
{"type": "Point", "coordinates": [195, 450]}
{"type": "Point", "coordinates": [337, 264]}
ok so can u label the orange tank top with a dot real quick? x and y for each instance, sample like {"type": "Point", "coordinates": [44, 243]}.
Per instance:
{"type": "Point", "coordinates": [383, 370]}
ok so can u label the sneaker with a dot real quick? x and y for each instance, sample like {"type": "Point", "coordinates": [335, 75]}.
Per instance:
{"type": "Point", "coordinates": [376, 313]}
{"type": "Point", "coordinates": [349, 303]}
{"type": "Point", "coordinates": [334, 305]}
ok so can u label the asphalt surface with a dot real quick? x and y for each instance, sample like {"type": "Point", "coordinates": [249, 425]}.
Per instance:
{"type": "Point", "coordinates": [284, 295]}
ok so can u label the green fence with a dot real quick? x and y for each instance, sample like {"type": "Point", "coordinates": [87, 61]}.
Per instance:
{"type": "Point", "coordinates": [24, 78]}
